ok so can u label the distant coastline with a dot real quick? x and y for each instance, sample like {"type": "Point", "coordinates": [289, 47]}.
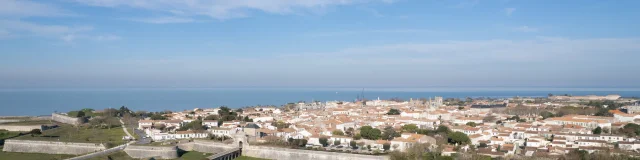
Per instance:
{"type": "Point", "coordinates": [31, 102]}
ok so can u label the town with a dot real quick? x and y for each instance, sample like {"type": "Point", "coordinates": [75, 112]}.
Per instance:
{"type": "Point", "coordinates": [518, 127]}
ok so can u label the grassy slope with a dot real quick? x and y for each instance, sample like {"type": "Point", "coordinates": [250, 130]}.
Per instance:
{"type": "Point", "coordinates": [248, 158]}
{"type": "Point", "coordinates": [68, 133]}
{"type": "Point", "coordinates": [30, 156]}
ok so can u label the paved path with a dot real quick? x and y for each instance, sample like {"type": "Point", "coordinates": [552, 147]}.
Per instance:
{"type": "Point", "coordinates": [107, 151]}
{"type": "Point", "coordinates": [124, 127]}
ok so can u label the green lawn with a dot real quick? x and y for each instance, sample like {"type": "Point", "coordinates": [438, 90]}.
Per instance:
{"type": "Point", "coordinates": [193, 155]}
{"type": "Point", "coordinates": [248, 158]}
{"type": "Point", "coordinates": [69, 133]}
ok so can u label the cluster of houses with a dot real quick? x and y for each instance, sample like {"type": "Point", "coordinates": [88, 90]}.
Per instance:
{"type": "Point", "coordinates": [530, 136]}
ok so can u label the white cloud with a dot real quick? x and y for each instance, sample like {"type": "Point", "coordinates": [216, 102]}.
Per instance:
{"type": "Point", "coordinates": [164, 20]}
{"type": "Point", "coordinates": [378, 31]}
{"type": "Point", "coordinates": [525, 29]}
{"type": "Point", "coordinates": [107, 38]}
{"type": "Point", "coordinates": [26, 8]}
{"type": "Point", "coordinates": [225, 9]}
{"type": "Point", "coordinates": [509, 11]}
{"type": "Point", "coordinates": [16, 28]}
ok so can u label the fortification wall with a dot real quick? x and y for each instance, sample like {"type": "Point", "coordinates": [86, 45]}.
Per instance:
{"type": "Point", "coordinates": [9, 120]}
{"type": "Point", "coordinates": [158, 152]}
{"type": "Point", "coordinates": [51, 147]}
{"type": "Point", "coordinates": [295, 154]}
{"type": "Point", "coordinates": [65, 119]}
{"type": "Point", "coordinates": [205, 146]}
{"type": "Point", "coordinates": [21, 128]}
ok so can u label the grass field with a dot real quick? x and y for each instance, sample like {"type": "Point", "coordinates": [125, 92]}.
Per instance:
{"type": "Point", "coordinates": [115, 156]}
{"type": "Point", "coordinates": [194, 156]}
{"type": "Point", "coordinates": [69, 133]}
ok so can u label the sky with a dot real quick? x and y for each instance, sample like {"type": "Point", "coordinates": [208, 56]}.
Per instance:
{"type": "Point", "coordinates": [318, 43]}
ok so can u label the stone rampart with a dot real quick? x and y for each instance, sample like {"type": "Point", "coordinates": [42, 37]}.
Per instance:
{"type": "Point", "coordinates": [65, 119]}
{"type": "Point", "coordinates": [20, 128]}
{"type": "Point", "coordinates": [157, 152]}
{"type": "Point", "coordinates": [9, 120]}
{"type": "Point", "coordinates": [295, 154]}
{"type": "Point", "coordinates": [48, 147]}
{"type": "Point", "coordinates": [209, 146]}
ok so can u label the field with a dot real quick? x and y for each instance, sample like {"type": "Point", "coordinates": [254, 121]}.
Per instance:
{"type": "Point", "coordinates": [69, 133]}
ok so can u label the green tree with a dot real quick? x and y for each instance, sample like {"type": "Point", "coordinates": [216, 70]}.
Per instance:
{"type": "Point", "coordinates": [35, 132]}
{"type": "Point", "coordinates": [598, 130]}
{"type": "Point", "coordinates": [357, 137]}
{"type": "Point", "coordinates": [337, 132]}
{"type": "Point", "coordinates": [631, 129]}
{"type": "Point", "coordinates": [353, 144]}
{"type": "Point", "coordinates": [80, 114]}
{"type": "Point", "coordinates": [393, 112]}
{"type": "Point", "coordinates": [443, 129]}
{"type": "Point", "coordinates": [368, 132]}
{"type": "Point", "coordinates": [211, 117]}
{"type": "Point", "coordinates": [386, 146]}
{"type": "Point", "coordinates": [482, 145]}
{"type": "Point", "coordinates": [247, 119]}
{"type": "Point", "coordinates": [458, 138]}
{"type": "Point", "coordinates": [546, 114]}
{"type": "Point", "coordinates": [324, 141]}
{"type": "Point", "coordinates": [158, 117]}
{"type": "Point", "coordinates": [389, 133]}
{"type": "Point", "coordinates": [410, 128]}
{"type": "Point", "coordinates": [472, 124]}
{"type": "Point", "coordinates": [336, 142]}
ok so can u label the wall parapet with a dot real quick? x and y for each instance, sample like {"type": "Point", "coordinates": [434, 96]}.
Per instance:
{"type": "Point", "coordinates": [65, 119]}
{"type": "Point", "coordinates": [49, 147]}
{"type": "Point", "coordinates": [294, 154]}
{"type": "Point", "coordinates": [161, 152]}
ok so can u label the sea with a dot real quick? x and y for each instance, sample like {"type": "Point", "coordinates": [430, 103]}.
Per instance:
{"type": "Point", "coordinates": [34, 102]}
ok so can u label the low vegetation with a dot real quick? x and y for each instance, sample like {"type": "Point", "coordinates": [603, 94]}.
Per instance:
{"type": "Point", "coordinates": [83, 134]}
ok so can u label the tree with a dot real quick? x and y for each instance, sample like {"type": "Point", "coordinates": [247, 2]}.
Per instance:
{"type": "Point", "coordinates": [598, 130]}
{"type": "Point", "coordinates": [393, 112]}
{"type": "Point", "coordinates": [35, 132]}
{"type": "Point", "coordinates": [349, 131]}
{"type": "Point", "coordinates": [472, 124]}
{"type": "Point", "coordinates": [546, 114]}
{"type": "Point", "coordinates": [336, 142]}
{"type": "Point", "coordinates": [211, 117]}
{"type": "Point", "coordinates": [158, 117]}
{"type": "Point", "coordinates": [367, 132]}
{"type": "Point", "coordinates": [247, 119]}
{"type": "Point", "coordinates": [389, 133]}
{"type": "Point", "coordinates": [410, 128]}
{"type": "Point", "coordinates": [606, 130]}
{"type": "Point", "coordinates": [631, 129]}
{"type": "Point", "coordinates": [443, 129]}
{"type": "Point", "coordinates": [80, 114]}
{"type": "Point", "coordinates": [458, 138]}
{"type": "Point", "coordinates": [337, 132]}
{"type": "Point", "coordinates": [324, 141]}
{"type": "Point", "coordinates": [482, 145]}
{"type": "Point", "coordinates": [353, 144]}
{"type": "Point", "coordinates": [357, 137]}
{"type": "Point", "coordinates": [386, 146]}
{"type": "Point", "coordinates": [489, 118]}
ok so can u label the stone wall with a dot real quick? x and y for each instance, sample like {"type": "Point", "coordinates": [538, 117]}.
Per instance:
{"type": "Point", "coordinates": [21, 128]}
{"type": "Point", "coordinates": [158, 152]}
{"type": "Point", "coordinates": [51, 147]}
{"type": "Point", "coordinates": [205, 146]}
{"type": "Point", "coordinates": [65, 119]}
{"type": "Point", "coordinates": [9, 120]}
{"type": "Point", "coordinates": [295, 154]}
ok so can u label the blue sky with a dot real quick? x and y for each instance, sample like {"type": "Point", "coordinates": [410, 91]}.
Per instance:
{"type": "Point", "coordinates": [318, 43]}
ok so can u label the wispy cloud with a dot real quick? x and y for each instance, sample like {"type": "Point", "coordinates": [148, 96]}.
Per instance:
{"type": "Point", "coordinates": [377, 31]}
{"type": "Point", "coordinates": [17, 28]}
{"type": "Point", "coordinates": [26, 8]}
{"type": "Point", "coordinates": [224, 9]}
{"type": "Point", "coordinates": [467, 4]}
{"type": "Point", "coordinates": [509, 11]}
{"type": "Point", "coordinates": [525, 29]}
{"type": "Point", "coordinates": [163, 20]}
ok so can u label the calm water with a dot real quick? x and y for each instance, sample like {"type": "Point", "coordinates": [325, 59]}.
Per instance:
{"type": "Point", "coordinates": [45, 101]}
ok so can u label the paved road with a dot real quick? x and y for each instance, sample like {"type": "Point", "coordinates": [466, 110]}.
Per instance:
{"type": "Point", "coordinates": [143, 140]}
